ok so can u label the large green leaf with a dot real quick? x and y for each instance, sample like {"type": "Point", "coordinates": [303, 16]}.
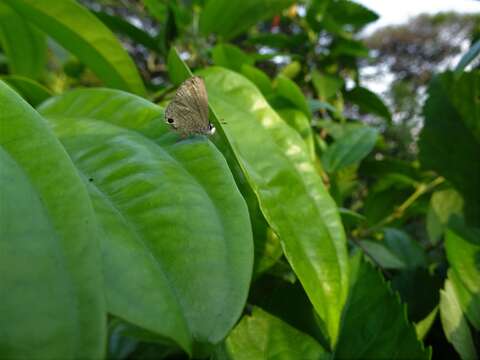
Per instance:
{"type": "Point", "coordinates": [261, 336]}
{"type": "Point", "coordinates": [177, 241]}
{"type": "Point", "coordinates": [276, 164]}
{"type": "Point", "coordinates": [450, 139]}
{"type": "Point", "coordinates": [52, 302]}
{"type": "Point", "coordinates": [24, 45]}
{"type": "Point", "coordinates": [351, 148]}
{"type": "Point", "coordinates": [80, 32]}
{"type": "Point", "coordinates": [375, 324]}
{"type": "Point", "coordinates": [229, 18]}
{"type": "Point", "coordinates": [454, 323]}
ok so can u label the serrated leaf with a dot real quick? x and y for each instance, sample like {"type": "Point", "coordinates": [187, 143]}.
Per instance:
{"type": "Point", "coordinates": [375, 324]}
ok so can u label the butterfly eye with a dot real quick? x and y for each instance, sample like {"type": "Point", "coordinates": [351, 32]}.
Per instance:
{"type": "Point", "coordinates": [170, 120]}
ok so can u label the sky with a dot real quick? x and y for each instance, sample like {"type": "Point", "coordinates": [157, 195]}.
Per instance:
{"type": "Point", "coordinates": [395, 12]}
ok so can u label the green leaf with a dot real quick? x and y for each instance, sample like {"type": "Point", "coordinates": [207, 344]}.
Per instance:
{"type": "Point", "coordinates": [454, 324]}
{"type": "Point", "coordinates": [448, 143]}
{"type": "Point", "coordinates": [177, 70]}
{"type": "Point", "coordinates": [30, 90]}
{"type": "Point", "coordinates": [297, 120]}
{"type": "Point", "coordinates": [157, 8]}
{"type": "Point", "coordinates": [259, 78]}
{"type": "Point", "coordinates": [467, 58]}
{"type": "Point", "coordinates": [375, 324]}
{"type": "Point", "coordinates": [423, 327]}
{"type": "Point", "coordinates": [177, 241]}
{"type": "Point", "coordinates": [407, 249]}
{"type": "Point", "coordinates": [51, 289]}
{"type": "Point", "coordinates": [230, 56]}
{"type": "Point", "coordinates": [470, 302]}
{"type": "Point", "coordinates": [85, 36]}
{"type": "Point", "coordinates": [229, 18]}
{"type": "Point", "coordinates": [464, 94]}
{"type": "Point", "coordinates": [120, 26]}
{"type": "Point", "coordinates": [349, 47]}
{"type": "Point", "coordinates": [289, 92]}
{"type": "Point", "coordinates": [351, 148]}
{"type": "Point", "coordinates": [275, 161]}
{"type": "Point", "coordinates": [368, 102]}
{"type": "Point", "coordinates": [326, 85]}
{"type": "Point", "coordinates": [347, 12]}
{"type": "Point", "coordinates": [261, 336]}
{"type": "Point", "coordinates": [24, 46]}
{"type": "Point", "coordinates": [443, 204]}
{"type": "Point", "coordinates": [462, 245]}
{"type": "Point", "coordinates": [382, 255]}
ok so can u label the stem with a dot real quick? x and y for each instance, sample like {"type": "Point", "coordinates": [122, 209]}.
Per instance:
{"type": "Point", "coordinates": [399, 211]}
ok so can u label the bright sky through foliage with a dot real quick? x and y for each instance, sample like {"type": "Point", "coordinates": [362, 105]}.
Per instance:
{"type": "Point", "coordinates": [396, 12]}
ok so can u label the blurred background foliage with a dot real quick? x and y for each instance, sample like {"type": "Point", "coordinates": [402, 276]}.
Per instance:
{"type": "Point", "coordinates": [377, 122]}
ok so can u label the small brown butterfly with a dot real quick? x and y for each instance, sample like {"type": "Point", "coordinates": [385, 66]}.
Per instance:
{"type": "Point", "coordinates": [187, 113]}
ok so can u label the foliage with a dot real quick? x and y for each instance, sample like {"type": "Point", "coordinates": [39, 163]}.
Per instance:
{"type": "Point", "coordinates": [299, 230]}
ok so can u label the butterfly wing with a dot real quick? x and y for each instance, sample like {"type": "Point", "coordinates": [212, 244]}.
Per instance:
{"type": "Point", "coordinates": [188, 111]}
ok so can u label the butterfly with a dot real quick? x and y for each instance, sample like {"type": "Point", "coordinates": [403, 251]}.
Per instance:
{"type": "Point", "coordinates": [187, 113]}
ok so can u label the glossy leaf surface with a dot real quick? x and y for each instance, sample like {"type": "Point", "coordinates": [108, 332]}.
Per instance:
{"type": "Point", "coordinates": [177, 242]}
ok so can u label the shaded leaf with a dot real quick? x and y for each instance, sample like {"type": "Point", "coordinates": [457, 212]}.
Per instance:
{"type": "Point", "coordinates": [447, 144]}
{"type": "Point", "coordinates": [368, 102]}
{"type": "Point", "coordinates": [375, 324]}
{"type": "Point", "coordinates": [23, 44]}
{"type": "Point", "coordinates": [120, 26]}
{"type": "Point", "coordinates": [30, 90]}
